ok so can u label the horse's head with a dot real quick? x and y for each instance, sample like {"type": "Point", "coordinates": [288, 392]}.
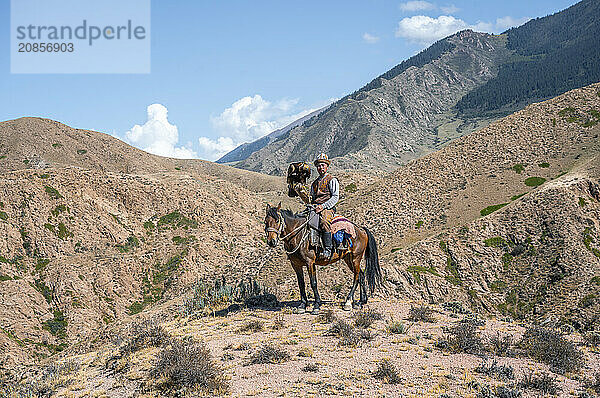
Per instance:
{"type": "Point", "coordinates": [273, 224]}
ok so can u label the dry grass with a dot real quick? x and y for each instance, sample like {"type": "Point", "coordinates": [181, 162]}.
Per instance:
{"type": "Point", "coordinates": [269, 353]}
{"type": "Point", "coordinates": [253, 326]}
{"type": "Point", "coordinates": [365, 318]}
{"type": "Point", "coordinates": [387, 372]}
{"type": "Point", "coordinates": [549, 346]}
{"type": "Point", "coordinates": [421, 313]}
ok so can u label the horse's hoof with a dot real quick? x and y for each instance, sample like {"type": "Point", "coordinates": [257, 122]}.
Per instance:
{"type": "Point", "coordinates": [315, 311]}
{"type": "Point", "coordinates": [357, 306]}
{"type": "Point", "coordinates": [347, 307]}
{"type": "Point", "coordinates": [300, 310]}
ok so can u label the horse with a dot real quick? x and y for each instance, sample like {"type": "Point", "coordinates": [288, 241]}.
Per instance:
{"type": "Point", "coordinates": [293, 230]}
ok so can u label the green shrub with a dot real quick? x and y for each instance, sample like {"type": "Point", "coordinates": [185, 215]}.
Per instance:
{"type": "Point", "coordinates": [534, 181]}
{"type": "Point", "coordinates": [587, 301]}
{"type": "Point", "coordinates": [416, 270]}
{"type": "Point", "coordinates": [56, 145]}
{"type": "Point", "coordinates": [496, 241]}
{"type": "Point", "coordinates": [41, 264]}
{"type": "Point", "coordinates": [59, 209]}
{"type": "Point", "coordinates": [491, 209]}
{"type": "Point", "coordinates": [544, 165]}
{"type": "Point", "coordinates": [3, 216]}
{"type": "Point", "coordinates": [498, 286]}
{"type": "Point", "coordinates": [81, 151]}
{"type": "Point", "coordinates": [175, 220]}
{"type": "Point", "coordinates": [41, 287]}
{"type": "Point", "coordinates": [5, 278]}
{"type": "Point", "coordinates": [58, 325]}
{"type": "Point", "coordinates": [595, 280]}
{"type": "Point", "coordinates": [350, 188]}
{"type": "Point", "coordinates": [419, 224]}
{"type": "Point", "coordinates": [52, 192]}
{"type": "Point", "coordinates": [518, 168]}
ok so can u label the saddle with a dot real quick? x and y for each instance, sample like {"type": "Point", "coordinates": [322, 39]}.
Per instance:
{"type": "Point", "coordinates": [341, 228]}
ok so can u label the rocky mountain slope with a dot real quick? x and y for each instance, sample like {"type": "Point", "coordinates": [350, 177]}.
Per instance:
{"type": "Point", "coordinates": [456, 86]}
{"type": "Point", "coordinates": [96, 231]}
{"type": "Point", "coordinates": [536, 174]}
{"type": "Point", "coordinates": [400, 118]}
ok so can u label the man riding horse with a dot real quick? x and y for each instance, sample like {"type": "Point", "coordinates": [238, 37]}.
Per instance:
{"type": "Point", "coordinates": [293, 230]}
{"type": "Point", "coordinates": [325, 193]}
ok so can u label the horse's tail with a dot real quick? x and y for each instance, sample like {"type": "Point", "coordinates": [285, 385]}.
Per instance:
{"type": "Point", "coordinates": [373, 270]}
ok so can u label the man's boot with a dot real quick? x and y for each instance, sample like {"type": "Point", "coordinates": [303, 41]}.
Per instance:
{"type": "Point", "coordinates": [327, 244]}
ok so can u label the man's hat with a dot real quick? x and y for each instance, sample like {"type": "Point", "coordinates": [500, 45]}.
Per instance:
{"type": "Point", "coordinates": [322, 158]}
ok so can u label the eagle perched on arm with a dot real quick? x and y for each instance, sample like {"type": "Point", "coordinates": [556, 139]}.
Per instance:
{"type": "Point", "coordinates": [297, 175]}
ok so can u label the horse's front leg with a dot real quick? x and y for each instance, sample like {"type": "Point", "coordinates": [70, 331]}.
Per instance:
{"type": "Point", "coordinates": [302, 286]}
{"type": "Point", "coordinates": [312, 273]}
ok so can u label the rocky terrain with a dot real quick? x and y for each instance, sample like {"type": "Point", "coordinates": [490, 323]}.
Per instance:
{"type": "Point", "coordinates": [502, 223]}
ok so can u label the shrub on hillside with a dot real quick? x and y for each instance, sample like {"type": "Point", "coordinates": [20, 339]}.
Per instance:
{"type": "Point", "coordinates": [387, 372]}
{"type": "Point", "coordinates": [147, 333]}
{"type": "Point", "coordinates": [269, 353]}
{"type": "Point", "coordinates": [365, 318]}
{"type": "Point", "coordinates": [421, 313]}
{"type": "Point", "coordinates": [188, 365]}
{"type": "Point", "coordinates": [549, 346]}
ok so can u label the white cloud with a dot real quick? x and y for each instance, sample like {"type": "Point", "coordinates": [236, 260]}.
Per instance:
{"type": "Point", "coordinates": [508, 22]}
{"type": "Point", "coordinates": [369, 38]}
{"type": "Point", "coordinates": [246, 120]}
{"type": "Point", "coordinates": [158, 136]}
{"type": "Point", "coordinates": [419, 5]}
{"type": "Point", "coordinates": [425, 30]}
{"type": "Point", "coordinates": [451, 9]}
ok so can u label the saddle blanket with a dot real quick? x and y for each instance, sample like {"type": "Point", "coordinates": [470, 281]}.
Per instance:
{"type": "Point", "coordinates": [342, 223]}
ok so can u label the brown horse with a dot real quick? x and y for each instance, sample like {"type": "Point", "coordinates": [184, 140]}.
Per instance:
{"type": "Point", "coordinates": [293, 230]}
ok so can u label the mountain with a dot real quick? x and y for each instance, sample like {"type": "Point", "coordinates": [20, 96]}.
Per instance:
{"type": "Point", "coordinates": [504, 218]}
{"type": "Point", "coordinates": [459, 84]}
{"type": "Point", "coordinates": [243, 151]}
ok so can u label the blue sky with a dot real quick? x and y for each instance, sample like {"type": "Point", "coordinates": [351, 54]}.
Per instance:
{"type": "Point", "coordinates": [230, 71]}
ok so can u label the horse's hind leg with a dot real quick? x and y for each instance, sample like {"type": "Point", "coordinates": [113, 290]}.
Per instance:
{"type": "Point", "coordinates": [348, 304]}
{"type": "Point", "coordinates": [300, 275]}
{"type": "Point", "coordinates": [312, 273]}
{"type": "Point", "coordinates": [363, 288]}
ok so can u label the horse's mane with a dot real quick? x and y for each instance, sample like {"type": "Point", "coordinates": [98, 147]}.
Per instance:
{"type": "Point", "coordinates": [287, 213]}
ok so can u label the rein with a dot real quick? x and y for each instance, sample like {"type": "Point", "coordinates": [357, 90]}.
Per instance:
{"type": "Point", "coordinates": [282, 224]}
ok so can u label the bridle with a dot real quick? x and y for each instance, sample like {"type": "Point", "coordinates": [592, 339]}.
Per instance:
{"type": "Point", "coordinates": [278, 231]}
